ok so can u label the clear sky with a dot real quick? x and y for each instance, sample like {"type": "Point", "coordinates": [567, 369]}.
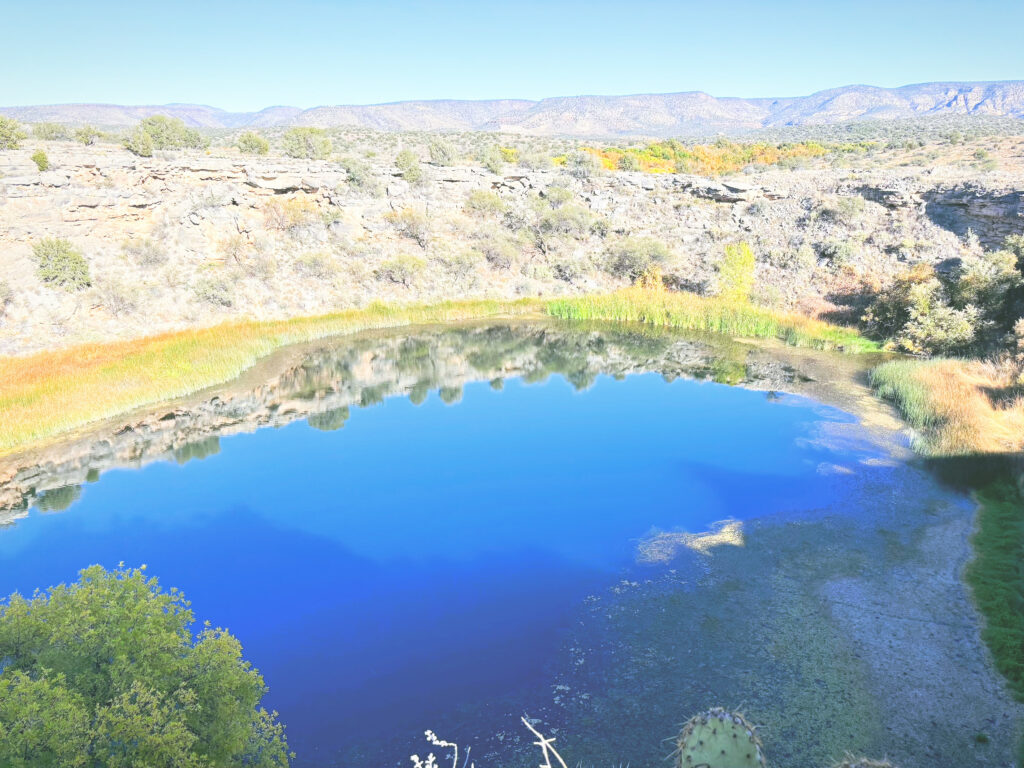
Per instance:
{"type": "Point", "coordinates": [248, 55]}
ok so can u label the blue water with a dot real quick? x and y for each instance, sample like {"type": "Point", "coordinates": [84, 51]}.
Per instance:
{"type": "Point", "coordinates": [426, 560]}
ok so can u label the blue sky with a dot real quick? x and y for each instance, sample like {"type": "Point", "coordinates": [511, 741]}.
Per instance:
{"type": "Point", "coordinates": [247, 55]}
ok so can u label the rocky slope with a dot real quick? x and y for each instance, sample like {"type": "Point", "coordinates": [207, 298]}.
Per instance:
{"type": "Point", "coordinates": [189, 239]}
{"type": "Point", "coordinates": [674, 114]}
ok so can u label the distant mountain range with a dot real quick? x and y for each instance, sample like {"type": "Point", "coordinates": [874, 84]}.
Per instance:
{"type": "Point", "coordinates": [670, 114]}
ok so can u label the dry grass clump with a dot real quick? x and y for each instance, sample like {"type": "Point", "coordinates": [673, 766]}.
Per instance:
{"type": "Point", "coordinates": [958, 407]}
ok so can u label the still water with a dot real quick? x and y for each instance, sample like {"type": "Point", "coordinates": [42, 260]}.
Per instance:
{"type": "Point", "coordinates": [404, 565]}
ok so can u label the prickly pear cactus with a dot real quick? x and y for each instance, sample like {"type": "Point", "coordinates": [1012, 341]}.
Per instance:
{"type": "Point", "coordinates": [719, 739]}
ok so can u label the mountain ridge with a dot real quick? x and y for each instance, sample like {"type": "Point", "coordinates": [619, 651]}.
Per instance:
{"type": "Point", "coordinates": [651, 114]}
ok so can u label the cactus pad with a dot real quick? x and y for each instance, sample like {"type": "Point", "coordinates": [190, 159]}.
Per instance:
{"type": "Point", "coordinates": [719, 739]}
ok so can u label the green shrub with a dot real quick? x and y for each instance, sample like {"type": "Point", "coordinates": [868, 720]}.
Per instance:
{"type": "Point", "coordinates": [496, 246]}
{"type": "Point", "coordinates": [361, 175]}
{"type": "Point", "coordinates": [59, 264]}
{"type": "Point", "coordinates": [306, 143]}
{"type": "Point", "coordinates": [632, 257]}
{"type": "Point", "coordinates": [50, 131]}
{"type": "Point", "coordinates": [463, 263]}
{"type": "Point", "coordinates": [403, 269]}
{"type": "Point", "coordinates": [140, 143]}
{"type": "Point", "coordinates": [556, 196]}
{"type": "Point", "coordinates": [485, 203]}
{"type": "Point", "coordinates": [568, 220]}
{"type": "Point", "coordinates": [41, 160]}
{"type": "Point", "coordinates": [118, 298]}
{"type": "Point", "coordinates": [493, 159]}
{"type": "Point", "coordinates": [581, 165]}
{"type": "Point", "coordinates": [319, 266]}
{"type": "Point", "coordinates": [411, 223]}
{"type": "Point", "coordinates": [215, 291]}
{"type": "Point", "coordinates": [736, 273]}
{"type": "Point", "coordinates": [409, 166]}
{"type": "Point", "coordinates": [171, 133]}
{"type": "Point", "coordinates": [845, 210]}
{"type": "Point", "coordinates": [11, 133]}
{"type": "Point", "coordinates": [87, 135]}
{"type": "Point", "coordinates": [628, 162]}
{"type": "Point", "coordinates": [442, 152]}
{"type": "Point", "coordinates": [107, 671]}
{"type": "Point", "coordinates": [251, 143]}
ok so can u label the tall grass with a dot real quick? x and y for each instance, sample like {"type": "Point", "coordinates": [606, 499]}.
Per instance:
{"type": "Point", "coordinates": [697, 313]}
{"type": "Point", "coordinates": [50, 393]}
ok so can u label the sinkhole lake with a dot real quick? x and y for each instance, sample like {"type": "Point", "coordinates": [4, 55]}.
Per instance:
{"type": "Point", "coordinates": [420, 536]}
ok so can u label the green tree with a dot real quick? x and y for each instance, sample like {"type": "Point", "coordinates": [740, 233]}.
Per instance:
{"type": "Point", "coordinates": [171, 133]}
{"type": "Point", "coordinates": [139, 143]}
{"type": "Point", "coordinates": [736, 273]}
{"type": "Point", "coordinates": [87, 135]}
{"type": "Point", "coordinates": [50, 131]}
{"type": "Point", "coordinates": [308, 143]}
{"type": "Point", "coordinates": [61, 264]}
{"type": "Point", "coordinates": [409, 166]}
{"type": "Point", "coordinates": [11, 133]}
{"type": "Point", "coordinates": [251, 143]}
{"type": "Point", "coordinates": [41, 160]}
{"type": "Point", "coordinates": [631, 257]}
{"type": "Point", "coordinates": [106, 673]}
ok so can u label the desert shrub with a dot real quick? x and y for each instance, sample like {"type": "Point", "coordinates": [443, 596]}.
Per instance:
{"type": "Point", "coordinates": [845, 209]}
{"type": "Point", "coordinates": [483, 202]}
{"type": "Point", "coordinates": [170, 133]}
{"type": "Point", "coordinates": [305, 142]}
{"type": "Point", "coordinates": [6, 297]}
{"type": "Point", "coordinates": [215, 291]}
{"type": "Point", "coordinates": [118, 298]}
{"type": "Point", "coordinates": [568, 220]}
{"type": "Point", "coordinates": [535, 161]}
{"type": "Point", "coordinates": [361, 175]}
{"type": "Point", "coordinates": [291, 214]}
{"type": "Point", "coordinates": [914, 315]}
{"type": "Point", "coordinates": [402, 269]}
{"type": "Point", "coordinates": [252, 260]}
{"type": "Point", "coordinates": [567, 268]}
{"type": "Point", "coordinates": [493, 159]}
{"type": "Point", "coordinates": [581, 165]}
{"type": "Point", "coordinates": [410, 223]}
{"type": "Point", "coordinates": [409, 166]}
{"type": "Point", "coordinates": [319, 266]}
{"type": "Point", "coordinates": [992, 282]}
{"type": "Point", "coordinates": [145, 252]}
{"type": "Point", "coordinates": [87, 135]}
{"type": "Point", "coordinates": [837, 252]}
{"type": "Point", "coordinates": [50, 131]}
{"type": "Point", "coordinates": [462, 263]}
{"type": "Point", "coordinates": [41, 160]}
{"type": "Point", "coordinates": [106, 671]}
{"type": "Point", "coordinates": [140, 143]}
{"type": "Point", "coordinates": [556, 196]}
{"type": "Point", "coordinates": [736, 272]}
{"type": "Point", "coordinates": [442, 152]}
{"type": "Point", "coordinates": [497, 248]}
{"type": "Point", "coordinates": [251, 143]}
{"type": "Point", "coordinates": [11, 133]}
{"type": "Point", "coordinates": [60, 264]}
{"type": "Point", "coordinates": [628, 162]}
{"type": "Point", "coordinates": [631, 257]}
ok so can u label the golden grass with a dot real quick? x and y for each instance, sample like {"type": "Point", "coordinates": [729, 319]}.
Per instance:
{"type": "Point", "coordinates": [958, 407]}
{"type": "Point", "coordinates": [49, 393]}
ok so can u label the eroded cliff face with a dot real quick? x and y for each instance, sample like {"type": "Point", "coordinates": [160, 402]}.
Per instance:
{"type": "Point", "coordinates": [189, 239]}
{"type": "Point", "coordinates": [319, 383]}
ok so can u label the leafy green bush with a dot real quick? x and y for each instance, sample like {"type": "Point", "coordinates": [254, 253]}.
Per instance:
{"type": "Point", "coordinates": [50, 131]}
{"type": "Point", "coordinates": [107, 672]}
{"type": "Point", "coordinates": [736, 273]}
{"type": "Point", "coordinates": [215, 291]}
{"type": "Point", "coordinates": [41, 160]}
{"type": "Point", "coordinates": [139, 142]}
{"type": "Point", "coordinates": [581, 165]}
{"type": "Point", "coordinates": [361, 175]}
{"type": "Point", "coordinates": [171, 133]}
{"type": "Point", "coordinates": [632, 257]}
{"type": "Point", "coordinates": [11, 133]}
{"type": "Point", "coordinates": [306, 143]}
{"type": "Point", "coordinates": [409, 166]}
{"type": "Point", "coordinates": [251, 143]}
{"type": "Point", "coordinates": [59, 263]}
{"type": "Point", "coordinates": [442, 152]}
{"type": "Point", "coordinates": [87, 135]}
{"type": "Point", "coordinates": [319, 266]}
{"type": "Point", "coordinates": [493, 159]}
{"type": "Point", "coordinates": [403, 269]}
{"type": "Point", "coordinates": [568, 220]}
{"type": "Point", "coordinates": [628, 162]}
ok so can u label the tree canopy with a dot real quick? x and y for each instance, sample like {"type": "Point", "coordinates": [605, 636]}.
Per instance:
{"type": "Point", "coordinates": [107, 672]}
